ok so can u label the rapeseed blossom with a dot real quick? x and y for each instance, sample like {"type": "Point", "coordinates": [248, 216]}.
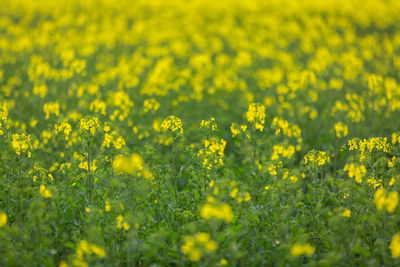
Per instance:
{"type": "Point", "coordinates": [172, 124]}
{"type": "Point", "coordinates": [51, 108]}
{"type": "Point", "coordinates": [45, 192]}
{"type": "Point", "coordinates": [388, 201]}
{"type": "Point", "coordinates": [3, 219]}
{"type": "Point", "coordinates": [198, 245]}
{"type": "Point", "coordinates": [128, 165]}
{"type": "Point", "coordinates": [341, 129]}
{"type": "Point", "coordinates": [302, 249]}
{"type": "Point", "coordinates": [21, 143]}
{"type": "Point", "coordinates": [395, 245]}
{"type": "Point", "coordinates": [218, 211]}
{"type": "Point", "coordinates": [316, 157]}
{"type": "Point", "coordinates": [355, 171]}
{"type": "Point", "coordinates": [256, 115]}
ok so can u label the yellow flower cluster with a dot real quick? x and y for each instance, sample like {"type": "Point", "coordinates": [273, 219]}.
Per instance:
{"type": "Point", "coordinates": [98, 106]}
{"type": "Point", "coordinates": [113, 138]}
{"type": "Point", "coordinates": [341, 129]}
{"type": "Point", "coordinates": [282, 126]}
{"type": "Point", "coordinates": [388, 201]}
{"type": "Point", "coordinates": [356, 171]}
{"type": "Point", "coordinates": [367, 145]}
{"type": "Point", "coordinates": [150, 104]}
{"type": "Point", "coordinates": [86, 248]}
{"type": "Point", "coordinates": [51, 108]}
{"type": "Point", "coordinates": [212, 153]}
{"type": "Point", "coordinates": [3, 117]}
{"type": "Point", "coordinates": [395, 245]}
{"type": "Point", "coordinates": [302, 249]}
{"type": "Point", "coordinates": [395, 138]}
{"type": "Point", "coordinates": [316, 157]}
{"type": "Point", "coordinates": [45, 192]}
{"type": "Point", "coordinates": [21, 143]}
{"type": "Point", "coordinates": [89, 125]}
{"type": "Point", "coordinates": [236, 129]}
{"type": "Point", "coordinates": [40, 89]}
{"type": "Point", "coordinates": [121, 223]}
{"type": "Point", "coordinates": [121, 100]}
{"type": "Point", "coordinates": [284, 152]}
{"type": "Point", "coordinates": [211, 124]}
{"type": "Point", "coordinates": [392, 162]}
{"type": "Point", "coordinates": [64, 127]}
{"type": "Point", "coordinates": [218, 211]}
{"type": "Point", "coordinates": [3, 219]}
{"type": "Point", "coordinates": [375, 182]}
{"type": "Point", "coordinates": [129, 165]}
{"type": "Point", "coordinates": [272, 168]}
{"type": "Point", "coordinates": [173, 124]}
{"type": "Point", "coordinates": [195, 246]}
{"type": "Point", "coordinates": [84, 165]}
{"type": "Point", "coordinates": [240, 196]}
{"type": "Point", "coordinates": [256, 115]}
{"type": "Point", "coordinates": [346, 213]}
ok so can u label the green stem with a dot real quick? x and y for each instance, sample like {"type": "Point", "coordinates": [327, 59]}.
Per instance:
{"type": "Point", "coordinates": [89, 172]}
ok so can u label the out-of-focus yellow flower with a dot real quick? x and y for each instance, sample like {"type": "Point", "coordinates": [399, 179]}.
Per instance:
{"type": "Point", "coordinates": [51, 108]}
{"type": "Point", "coordinates": [389, 201]}
{"type": "Point", "coordinates": [356, 171]}
{"type": "Point", "coordinates": [121, 223]}
{"type": "Point", "coordinates": [3, 219]}
{"type": "Point", "coordinates": [45, 192]}
{"type": "Point", "coordinates": [197, 245]}
{"type": "Point", "coordinates": [218, 211]}
{"type": "Point", "coordinates": [341, 129]}
{"type": "Point", "coordinates": [302, 249]}
{"type": "Point", "coordinates": [395, 245]}
{"type": "Point", "coordinates": [346, 213]}
{"type": "Point", "coordinates": [128, 165]}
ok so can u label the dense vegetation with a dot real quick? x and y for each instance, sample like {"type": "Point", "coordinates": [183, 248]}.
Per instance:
{"type": "Point", "coordinates": [210, 133]}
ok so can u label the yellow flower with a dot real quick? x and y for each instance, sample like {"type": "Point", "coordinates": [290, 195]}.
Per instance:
{"type": "Point", "coordinates": [128, 165]}
{"type": "Point", "coordinates": [172, 124]}
{"type": "Point", "coordinates": [89, 125]}
{"type": "Point", "coordinates": [356, 171]}
{"type": "Point", "coordinates": [302, 249]}
{"type": "Point", "coordinates": [21, 143]}
{"type": "Point", "coordinates": [213, 152]}
{"type": "Point", "coordinates": [316, 157]}
{"type": "Point", "coordinates": [346, 213]}
{"type": "Point", "coordinates": [51, 108]}
{"type": "Point", "coordinates": [389, 202]}
{"type": "Point", "coordinates": [121, 223]}
{"type": "Point", "coordinates": [45, 192]}
{"type": "Point", "coordinates": [197, 245]}
{"type": "Point", "coordinates": [395, 245]}
{"type": "Point", "coordinates": [341, 130]}
{"type": "Point", "coordinates": [3, 219]}
{"type": "Point", "coordinates": [219, 211]}
{"type": "Point", "coordinates": [256, 115]}
{"type": "Point", "coordinates": [107, 206]}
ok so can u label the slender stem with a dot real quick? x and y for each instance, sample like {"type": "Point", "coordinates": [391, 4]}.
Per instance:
{"type": "Point", "coordinates": [89, 172]}
{"type": "Point", "coordinates": [254, 169]}
{"type": "Point", "coordinates": [175, 179]}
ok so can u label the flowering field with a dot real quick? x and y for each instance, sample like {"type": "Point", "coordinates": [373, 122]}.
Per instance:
{"type": "Point", "coordinates": [199, 133]}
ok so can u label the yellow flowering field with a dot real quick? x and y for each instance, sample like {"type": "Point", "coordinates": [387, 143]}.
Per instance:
{"type": "Point", "coordinates": [199, 133]}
